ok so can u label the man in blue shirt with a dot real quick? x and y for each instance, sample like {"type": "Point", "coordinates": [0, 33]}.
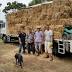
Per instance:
{"type": "Point", "coordinates": [38, 37]}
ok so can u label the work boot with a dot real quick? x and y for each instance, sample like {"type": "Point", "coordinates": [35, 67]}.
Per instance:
{"type": "Point", "coordinates": [46, 55]}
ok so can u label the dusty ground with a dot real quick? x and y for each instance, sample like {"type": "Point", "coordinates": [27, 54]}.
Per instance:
{"type": "Point", "coordinates": [31, 63]}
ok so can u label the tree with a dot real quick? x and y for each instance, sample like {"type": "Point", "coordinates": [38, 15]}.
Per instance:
{"type": "Point", "coordinates": [33, 2]}
{"type": "Point", "coordinates": [14, 5]}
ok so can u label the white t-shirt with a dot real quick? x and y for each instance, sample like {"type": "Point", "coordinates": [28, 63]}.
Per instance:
{"type": "Point", "coordinates": [48, 35]}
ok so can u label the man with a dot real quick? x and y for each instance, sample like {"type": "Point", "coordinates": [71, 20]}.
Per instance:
{"type": "Point", "coordinates": [42, 44]}
{"type": "Point", "coordinates": [48, 42]}
{"type": "Point", "coordinates": [22, 36]}
{"type": "Point", "coordinates": [31, 42]}
{"type": "Point", "coordinates": [38, 40]}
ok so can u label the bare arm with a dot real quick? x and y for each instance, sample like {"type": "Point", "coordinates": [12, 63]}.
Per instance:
{"type": "Point", "coordinates": [19, 40]}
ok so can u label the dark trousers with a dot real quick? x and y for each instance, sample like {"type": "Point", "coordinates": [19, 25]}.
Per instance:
{"type": "Point", "coordinates": [42, 48]}
{"type": "Point", "coordinates": [31, 48]}
{"type": "Point", "coordinates": [22, 46]}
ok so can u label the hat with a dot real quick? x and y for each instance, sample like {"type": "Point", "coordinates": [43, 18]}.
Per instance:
{"type": "Point", "coordinates": [38, 27]}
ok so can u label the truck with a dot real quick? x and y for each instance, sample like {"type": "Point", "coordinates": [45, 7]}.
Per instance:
{"type": "Point", "coordinates": [64, 46]}
{"type": "Point", "coordinates": [8, 37]}
{"type": "Point", "coordinates": [11, 28]}
{"type": "Point", "coordinates": [42, 14]}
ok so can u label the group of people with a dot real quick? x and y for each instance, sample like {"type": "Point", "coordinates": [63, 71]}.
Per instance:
{"type": "Point", "coordinates": [38, 41]}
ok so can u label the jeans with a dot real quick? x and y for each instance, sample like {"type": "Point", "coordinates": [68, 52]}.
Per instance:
{"type": "Point", "coordinates": [22, 46]}
{"type": "Point", "coordinates": [38, 47]}
{"type": "Point", "coordinates": [31, 48]}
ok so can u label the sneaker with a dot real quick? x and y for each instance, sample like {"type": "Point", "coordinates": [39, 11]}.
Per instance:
{"type": "Point", "coordinates": [50, 59]}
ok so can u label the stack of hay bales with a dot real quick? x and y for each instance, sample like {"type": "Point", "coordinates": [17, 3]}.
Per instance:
{"type": "Point", "coordinates": [61, 15]}
{"type": "Point", "coordinates": [62, 9]}
{"type": "Point", "coordinates": [56, 15]}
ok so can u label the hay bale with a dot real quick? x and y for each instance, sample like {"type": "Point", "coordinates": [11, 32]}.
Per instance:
{"type": "Point", "coordinates": [56, 15]}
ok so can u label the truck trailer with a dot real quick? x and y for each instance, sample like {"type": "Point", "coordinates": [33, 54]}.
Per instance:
{"type": "Point", "coordinates": [44, 14]}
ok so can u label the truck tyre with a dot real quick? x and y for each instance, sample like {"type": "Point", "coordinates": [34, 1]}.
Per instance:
{"type": "Point", "coordinates": [4, 39]}
{"type": "Point", "coordinates": [55, 48]}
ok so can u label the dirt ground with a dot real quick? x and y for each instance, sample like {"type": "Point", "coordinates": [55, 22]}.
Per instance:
{"type": "Point", "coordinates": [32, 63]}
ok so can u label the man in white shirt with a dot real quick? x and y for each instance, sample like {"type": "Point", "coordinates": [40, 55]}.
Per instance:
{"type": "Point", "coordinates": [48, 42]}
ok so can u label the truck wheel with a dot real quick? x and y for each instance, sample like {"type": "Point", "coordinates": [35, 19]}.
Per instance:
{"type": "Point", "coordinates": [55, 51]}
{"type": "Point", "coordinates": [4, 39]}
{"type": "Point", "coordinates": [55, 48]}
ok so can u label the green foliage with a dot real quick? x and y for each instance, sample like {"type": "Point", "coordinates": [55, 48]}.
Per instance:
{"type": "Point", "coordinates": [33, 2]}
{"type": "Point", "coordinates": [13, 5]}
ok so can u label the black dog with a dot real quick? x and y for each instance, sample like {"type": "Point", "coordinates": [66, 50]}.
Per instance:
{"type": "Point", "coordinates": [19, 59]}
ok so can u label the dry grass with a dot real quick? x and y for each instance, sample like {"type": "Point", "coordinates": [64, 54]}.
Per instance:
{"type": "Point", "coordinates": [31, 62]}
{"type": "Point", "coordinates": [1, 40]}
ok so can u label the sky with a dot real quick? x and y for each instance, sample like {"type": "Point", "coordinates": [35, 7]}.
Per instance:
{"type": "Point", "coordinates": [4, 3]}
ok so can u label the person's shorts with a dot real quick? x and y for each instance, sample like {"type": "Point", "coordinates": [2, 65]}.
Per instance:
{"type": "Point", "coordinates": [48, 47]}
